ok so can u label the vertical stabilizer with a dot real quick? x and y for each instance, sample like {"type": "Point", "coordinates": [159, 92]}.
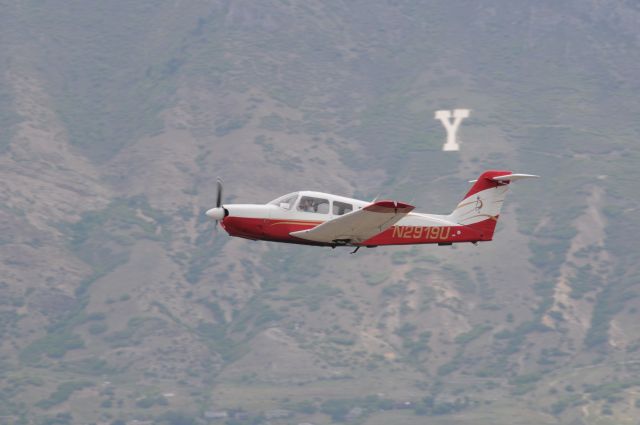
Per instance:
{"type": "Point", "coordinates": [481, 206]}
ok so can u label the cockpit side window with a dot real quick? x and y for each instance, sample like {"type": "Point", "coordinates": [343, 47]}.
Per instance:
{"type": "Point", "coordinates": [341, 208]}
{"type": "Point", "coordinates": [285, 202]}
{"type": "Point", "coordinates": [314, 205]}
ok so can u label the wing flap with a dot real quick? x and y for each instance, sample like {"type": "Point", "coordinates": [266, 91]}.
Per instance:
{"type": "Point", "coordinates": [359, 225]}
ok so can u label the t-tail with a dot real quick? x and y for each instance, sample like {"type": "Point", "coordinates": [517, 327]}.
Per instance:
{"type": "Point", "coordinates": [480, 208]}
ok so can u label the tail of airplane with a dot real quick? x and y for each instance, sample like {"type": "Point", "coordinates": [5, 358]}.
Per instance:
{"type": "Point", "coordinates": [480, 208]}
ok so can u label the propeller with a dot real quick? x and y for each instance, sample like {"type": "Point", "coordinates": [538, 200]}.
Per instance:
{"type": "Point", "coordinates": [219, 197]}
{"type": "Point", "coordinates": [219, 212]}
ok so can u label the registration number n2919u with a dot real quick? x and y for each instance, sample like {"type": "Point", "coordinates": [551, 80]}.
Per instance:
{"type": "Point", "coordinates": [421, 232]}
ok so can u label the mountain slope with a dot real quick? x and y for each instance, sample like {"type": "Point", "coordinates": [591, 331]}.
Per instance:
{"type": "Point", "coordinates": [119, 301]}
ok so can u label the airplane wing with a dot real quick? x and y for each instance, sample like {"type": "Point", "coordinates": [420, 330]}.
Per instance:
{"type": "Point", "coordinates": [359, 225]}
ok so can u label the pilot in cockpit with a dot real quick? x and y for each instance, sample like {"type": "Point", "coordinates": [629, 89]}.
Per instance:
{"type": "Point", "coordinates": [306, 205]}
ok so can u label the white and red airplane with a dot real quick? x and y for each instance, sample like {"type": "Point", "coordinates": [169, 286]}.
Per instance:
{"type": "Point", "coordinates": [323, 219]}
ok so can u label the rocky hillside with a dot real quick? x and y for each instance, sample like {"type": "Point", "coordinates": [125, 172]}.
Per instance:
{"type": "Point", "coordinates": [120, 302]}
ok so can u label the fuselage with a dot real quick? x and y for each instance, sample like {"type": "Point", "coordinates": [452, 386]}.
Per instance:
{"type": "Point", "coordinates": [276, 220]}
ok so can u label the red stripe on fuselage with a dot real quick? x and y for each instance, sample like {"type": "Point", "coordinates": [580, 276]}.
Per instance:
{"type": "Point", "coordinates": [278, 230]}
{"type": "Point", "coordinates": [410, 235]}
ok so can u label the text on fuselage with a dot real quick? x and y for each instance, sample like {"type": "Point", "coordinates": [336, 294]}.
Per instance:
{"type": "Point", "coordinates": [421, 232]}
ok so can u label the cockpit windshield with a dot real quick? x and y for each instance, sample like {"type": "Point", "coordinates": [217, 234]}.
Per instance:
{"type": "Point", "coordinates": [286, 202]}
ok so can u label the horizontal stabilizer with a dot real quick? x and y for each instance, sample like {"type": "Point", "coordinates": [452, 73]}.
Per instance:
{"type": "Point", "coordinates": [509, 177]}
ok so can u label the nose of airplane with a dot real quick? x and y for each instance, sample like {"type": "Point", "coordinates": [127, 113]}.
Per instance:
{"type": "Point", "coordinates": [216, 213]}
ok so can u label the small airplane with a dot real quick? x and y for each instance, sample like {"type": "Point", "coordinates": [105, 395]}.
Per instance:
{"type": "Point", "coordinates": [323, 219]}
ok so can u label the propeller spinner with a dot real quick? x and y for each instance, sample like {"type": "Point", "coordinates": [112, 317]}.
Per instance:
{"type": "Point", "coordinates": [219, 212]}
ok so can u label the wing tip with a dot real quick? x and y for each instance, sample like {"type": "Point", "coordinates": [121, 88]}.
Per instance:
{"type": "Point", "coordinates": [389, 207]}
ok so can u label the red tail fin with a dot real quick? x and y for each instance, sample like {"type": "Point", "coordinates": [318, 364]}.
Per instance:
{"type": "Point", "coordinates": [480, 208]}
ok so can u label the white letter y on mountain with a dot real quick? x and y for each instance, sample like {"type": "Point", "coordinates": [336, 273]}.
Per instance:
{"type": "Point", "coordinates": [451, 127]}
